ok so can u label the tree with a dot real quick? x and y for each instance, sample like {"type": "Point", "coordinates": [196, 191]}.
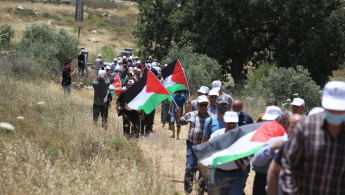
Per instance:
{"type": "Point", "coordinates": [6, 33]}
{"type": "Point", "coordinates": [47, 47]}
{"type": "Point", "coordinates": [234, 33]}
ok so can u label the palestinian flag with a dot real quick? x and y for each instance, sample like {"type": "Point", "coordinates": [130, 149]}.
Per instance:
{"type": "Point", "coordinates": [174, 77]}
{"type": "Point", "coordinates": [237, 143]}
{"type": "Point", "coordinates": [116, 87]}
{"type": "Point", "coordinates": [146, 94]}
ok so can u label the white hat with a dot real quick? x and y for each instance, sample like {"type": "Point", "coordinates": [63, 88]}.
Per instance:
{"type": "Point", "coordinates": [203, 89]}
{"type": "Point", "coordinates": [115, 59]}
{"type": "Point", "coordinates": [136, 57]}
{"type": "Point", "coordinates": [315, 110]}
{"type": "Point", "coordinates": [82, 51]}
{"type": "Point", "coordinates": [230, 117]}
{"type": "Point", "coordinates": [130, 81]}
{"type": "Point", "coordinates": [333, 96]}
{"type": "Point", "coordinates": [120, 58]}
{"type": "Point", "coordinates": [297, 102]}
{"type": "Point", "coordinates": [272, 113]}
{"type": "Point", "coordinates": [99, 55]}
{"type": "Point", "coordinates": [216, 85]}
{"type": "Point", "coordinates": [101, 73]}
{"type": "Point", "coordinates": [124, 57]}
{"type": "Point", "coordinates": [150, 57]}
{"type": "Point", "coordinates": [139, 62]}
{"type": "Point", "coordinates": [120, 62]}
{"type": "Point", "coordinates": [214, 92]}
{"type": "Point", "coordinates": [117, 67]}
{"type": "Point", "coordinates": [108, 67]}
{"type": "Point", "coordinates": [202, 98]}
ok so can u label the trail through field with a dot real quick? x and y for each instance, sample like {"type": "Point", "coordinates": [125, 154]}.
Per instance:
{"type": "Point", "coordinates": [169, 154]}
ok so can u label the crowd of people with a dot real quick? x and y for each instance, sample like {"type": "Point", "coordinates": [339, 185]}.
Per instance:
{"type": "Point", "coordinates": [308, 159]}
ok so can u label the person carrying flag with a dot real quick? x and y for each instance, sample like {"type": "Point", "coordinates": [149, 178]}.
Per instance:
{"type": "Point", "coordinates": [176, 111]}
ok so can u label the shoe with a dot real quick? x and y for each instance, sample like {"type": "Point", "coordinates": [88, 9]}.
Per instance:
{"type": "Point", "coordinates": [177, 138]}
{"type": "Point", "coordinates": [173, 136]}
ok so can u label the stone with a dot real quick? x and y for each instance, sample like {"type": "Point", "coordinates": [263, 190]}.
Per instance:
{"type": "Point", "coordinates": [94, 31]}
{"type": "Point", "coordinates": [105, 15]}
{"type": "Point", "coordinates": [36, 10]}
{"type": "Point", "coordinates": [51, 22]}
{"type": "Point", "coordinates": [19, 20]}
{"type": "Point", "coordinates": [20, 118]}
{"type": "Point", "coordinates": [21, 7]}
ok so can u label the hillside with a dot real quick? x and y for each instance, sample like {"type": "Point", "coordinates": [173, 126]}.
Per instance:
{"type": "Point", "coordinates": [114, 30]}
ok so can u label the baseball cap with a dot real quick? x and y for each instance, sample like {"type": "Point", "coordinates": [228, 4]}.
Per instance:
{"type": "Point", "coordinates": [333, 96]}
{"type": "Point", "coordinates": [139, 62]}
{"type": "Point", "coordinates": [230, 117]}
{"type": "Point", "coordinates": [101, 73]}
{"type": "Point", "coordinates": [222, 99]}
{"type": "Point", "coordinates": [131, 82]}
{"type": "Point", "coordinates": [272, 113]}
{"type": "Point", "coordinates": [82, 51]}
{"type": "Point", "coordinates": [202, 98]}
{"type": "Point", "coordinates": [216, 85]}
{"type": "Point", "coordinates": [297, 102]}
{"type": "Point", "coordinates": [213, 92]}
{"type": "Point", "coordinates": [315, 110]}
{"type": "Point", "coordinates": [203, 89]}
{"type": "Point", "coordinates": [99, 55]}
{"type": "Point", "coordinates": [107, 67]}
{"type": "Point", "coordinates": [115, 59]}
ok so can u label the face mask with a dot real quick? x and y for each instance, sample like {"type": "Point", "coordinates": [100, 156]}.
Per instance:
{"type": "Point", "coordinates": [334, 119]}
{"type": "Point", "coordinates": [222, 110]}
{"type": "Point", "coordinates": [238, 113]}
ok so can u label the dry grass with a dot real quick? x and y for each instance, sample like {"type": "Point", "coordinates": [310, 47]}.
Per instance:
{"type": "Point", "coordinates": [109, 31]}
{"type": "Point", "coordinates": [56, 148]}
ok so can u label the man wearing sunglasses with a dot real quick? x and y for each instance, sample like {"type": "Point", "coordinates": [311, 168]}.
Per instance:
{"type": "Point", "coordinates": [197, 120]}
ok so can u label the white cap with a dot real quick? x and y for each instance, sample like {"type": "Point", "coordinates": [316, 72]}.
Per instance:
{"type": "Point", "coordinates": [120, 62]}
{"type": "Point", "coordinates": [131, 81]}
{"type": "Point", "coordinates": [297, 102]}
{"type": "Point", "coordinates": [101, 73]}
{"type": "Point", "coordinates": [230, 117]}
{"type": "Point", "coordinates": [82, 51]}
{"type": "Point", "coordinates": [117, 67]}
{"type": "Point", "coordinates": [203, 89]}
{"type": "Point", "coordinates": [214, 92]}
{"type": "Point", "coordinates": [124, 57]}
{"type": "Point", "coordinates": [272, 113]}
{"type": "Point", "coordinates": [136, 57]}
{"type": "Point", "coordinates": [115, 59]}
{"type": "Point", "coordinates": [150, 57]}
{"type": "Point", "coordinates": [216, 85]}
{"type": "Point", "coordinates": [315, 110]}
{"type": "Point", "coordinates": [202, 98]}
{"type": "Point", "coordinates": [139, 62]}
{"type": "Point", "coordinates": [333, 96]}
{"type": "Point", "coordinates": [108, 67]}
{"type": "Point", "coordinates": [99, 55]}
{"type": "Point", "coordinates": [120, 58]}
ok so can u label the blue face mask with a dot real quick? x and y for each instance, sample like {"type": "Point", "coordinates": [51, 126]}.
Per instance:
{"type": "Point", "coordinates": [334, 119]}
{"type": "Point", "coordinates": [238, 113]}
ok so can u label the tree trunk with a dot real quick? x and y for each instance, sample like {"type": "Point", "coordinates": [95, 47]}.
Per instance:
{"type": "Point", "coordinates": [236, 71]}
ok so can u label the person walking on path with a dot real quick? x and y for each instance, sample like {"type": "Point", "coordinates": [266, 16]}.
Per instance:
{"type": "Point", "coordinates": [67, 74]}
{"type": "Point", "coordinates": [100, 106]}
{"type": "Point", "coordinates": [176, 111]}
{"type": "Point", "coordinates": [314, 156]}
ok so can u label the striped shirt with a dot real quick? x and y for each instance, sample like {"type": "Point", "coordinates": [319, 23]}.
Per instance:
{"type": "Point", "coordinates": [197, 122]}
{"type": "Point", "coordinates": [314, 161]}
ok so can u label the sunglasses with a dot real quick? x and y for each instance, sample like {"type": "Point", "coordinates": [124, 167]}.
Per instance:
{"type": "Point", "coordinates": [203, 105]}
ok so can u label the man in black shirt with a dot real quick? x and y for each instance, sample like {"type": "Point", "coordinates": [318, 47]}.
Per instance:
{"type": "Point", "coordinates": [67, 73]}
{"type": "Point", "coordinates": [81, 62]}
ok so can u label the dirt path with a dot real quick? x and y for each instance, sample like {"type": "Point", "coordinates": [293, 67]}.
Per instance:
{"type": "Point", "coordinates": [170, 154]}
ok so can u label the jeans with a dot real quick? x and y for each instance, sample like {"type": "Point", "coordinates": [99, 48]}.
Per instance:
{"type": "Point", "coordinates": [81, 70]}
{"type": "Point", "coordinates": [67, 90]}
{"type": "Point", "coordinates": [229, 182]}
{"type": "Point", "coordinates": [191, 168]}
{"type": "Point", "coordinates": [165, 110]}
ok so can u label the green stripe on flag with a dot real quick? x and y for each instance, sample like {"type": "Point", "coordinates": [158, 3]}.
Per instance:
{"type": "Point", "coordinates": [176, 87]}
{"type": "Point", "coordinates": [153, 101]}
{"type": "Point", "coordinates": [229, 158]}
{"type": "Point", "coordinates": [122, 80]}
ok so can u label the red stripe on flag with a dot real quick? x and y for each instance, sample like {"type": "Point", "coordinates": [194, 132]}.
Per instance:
{"type": "Point", "coordinates": [178, 75]}
{"type": "Point", "coordinates": [153, 84]}
{"type": "Point", "coordinates": [268, 131]}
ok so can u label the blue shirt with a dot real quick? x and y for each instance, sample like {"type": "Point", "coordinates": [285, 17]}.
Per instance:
{"type": "Point", "coordinates": [244, 119]}
{"type": "Point", "coordinates": [180, 100]}
{"type": "Point", "coordinates": [214, 126]}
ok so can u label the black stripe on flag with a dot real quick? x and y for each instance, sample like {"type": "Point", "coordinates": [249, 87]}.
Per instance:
{"type": "Point", "coordinates": [168, 70]}
{"type": "Point", "coordinates": [132, 92]}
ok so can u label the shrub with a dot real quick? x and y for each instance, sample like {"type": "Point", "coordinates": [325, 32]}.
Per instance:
{"type": "Point", "coordinates": [6, 33]}
{"type": "Point", "coordinates": [283, 83]}
{"type": "Point", "coordinates": [108, 52]}
{"type": "Point", "coordinates": [48, 48]}
{"type": "Point", "coordinates": [100, 4]}
{"type": "Point", "coordinates": [199, 69]}
{"type": "Point", "coordinates": [259, 73]}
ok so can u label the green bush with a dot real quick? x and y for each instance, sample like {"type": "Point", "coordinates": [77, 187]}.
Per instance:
{"type": "Point", "coordinates": [6, 33]}
{"type": "Point", "coordinates": [259, 73]}
{"type": "Point", "coordinates": [108, 52]}
{"type": "Point", "coordinates": [285, 83]}
{"type": "Point", "coordinates": [48, 48]}
{"type": "Point", "coordinates": [199, 69]}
